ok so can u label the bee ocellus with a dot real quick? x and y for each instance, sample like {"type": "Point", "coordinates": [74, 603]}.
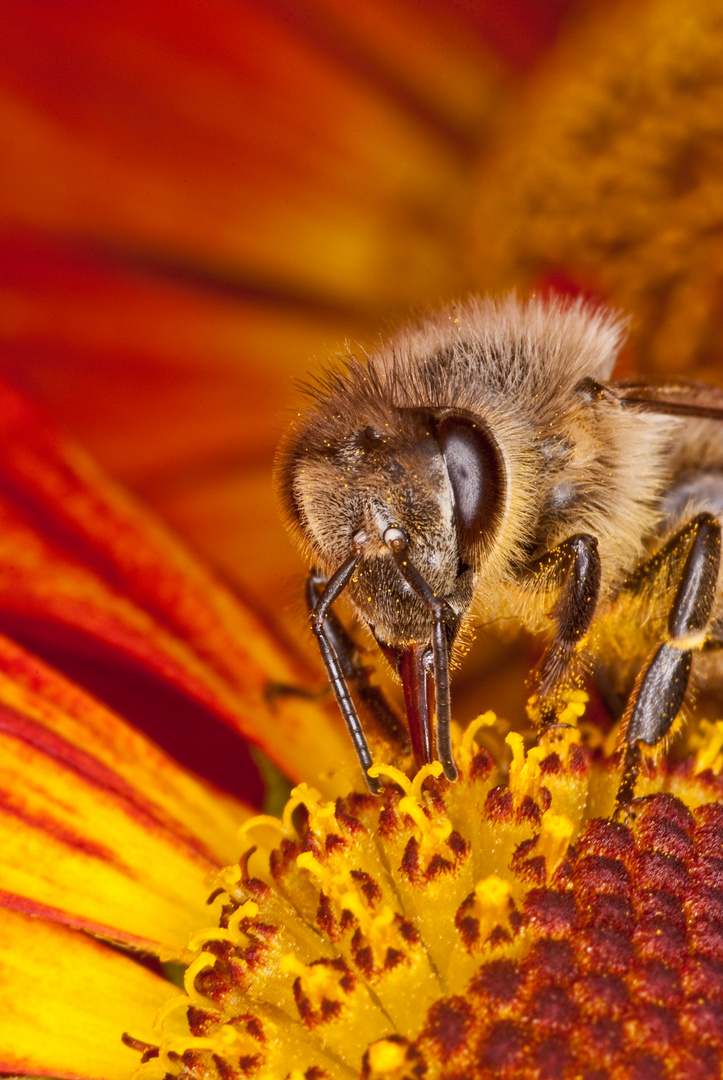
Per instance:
{"type": "Point", "coordinates": [481, 465]}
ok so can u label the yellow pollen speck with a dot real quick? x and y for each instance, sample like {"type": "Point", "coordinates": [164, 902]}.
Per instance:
{"type": "Point", "coordinates": [386, 1056]}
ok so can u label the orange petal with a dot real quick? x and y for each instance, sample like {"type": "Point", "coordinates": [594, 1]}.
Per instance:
{"type": "Point", "coordinates": [110, 575]}
{"type": "Point", "coordinates": [177, 391]}
{"type": "Point", "coordinates": [65, 1001]}
{"type": "Point", "coordinates": [81, 853]}
{"type": "Point", "coordinates": [240, 144]}
{"type": "Point", "coordinates": [161, 379]}
{"type": "Point", "coordinates": [40, 707]}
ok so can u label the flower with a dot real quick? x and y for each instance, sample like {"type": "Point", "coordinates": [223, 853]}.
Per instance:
{"type": "Point", "coordinates": [501, 925]}
{"type": "Point", "coordinates": [102, 832]}
{"type": "Point", "coordinates": [455, 930]}
{"type": "Point", "coordinates": [183, 188]}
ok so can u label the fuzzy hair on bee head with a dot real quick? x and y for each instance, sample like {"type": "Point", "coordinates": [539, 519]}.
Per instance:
{"type": "Point", "coordinates": [543, 346]}
{"type": "Point", "coordinates": [474, 355]}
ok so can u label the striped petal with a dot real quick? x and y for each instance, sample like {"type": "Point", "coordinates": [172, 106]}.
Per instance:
{"type": "Point", "coordinates": [87, 837]}
{"type": "Point", "coordinates": [184, 406]}
{"type": "Point", "coordinates": [66, 1000]}
{"type": "Point", "coordinates": [82, 564]}
{"type": "Point", "coordinates": [41, 707]}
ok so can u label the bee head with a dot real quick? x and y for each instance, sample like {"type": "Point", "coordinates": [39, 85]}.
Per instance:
{"type": "Point", "coordinates": [436, 475]}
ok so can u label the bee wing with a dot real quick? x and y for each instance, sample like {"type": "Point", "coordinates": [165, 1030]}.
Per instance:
{"type": "Point", "coordinates": [683, 397]}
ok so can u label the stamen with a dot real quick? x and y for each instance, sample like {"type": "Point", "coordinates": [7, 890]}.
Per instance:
{"type": "Point", "coordinates": [434, 768]}
{"type": "Point", "coordinates": [710, 754]}
{"type": "Point", "coordinates": [387, 1056]}
{"type": "Point", "coordinates": [395, 775]}
{"type": "Point", "coordinates": [203, 961]}
{"type": "Point", "coordinates": [525, 775]}
{"type": "Point", "coordinates": [174, 1005]}
{"type": "Point", "coordinates": [492, 904]}
{"type": "Point", "coordinates": [488, 719]}
{"type": "Point", "coordinates": [261, 821]}
{"type": "Point", "coordinates": [554, 840]}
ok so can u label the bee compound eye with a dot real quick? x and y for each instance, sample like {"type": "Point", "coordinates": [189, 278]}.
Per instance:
{"type": "Point", "coordinates": [476, 475]}
{"type": "Point", "coordinates": [395, 538]}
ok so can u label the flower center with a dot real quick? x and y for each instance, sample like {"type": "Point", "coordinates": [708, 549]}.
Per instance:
{"type": "Point", "coordinates": [485, 928]}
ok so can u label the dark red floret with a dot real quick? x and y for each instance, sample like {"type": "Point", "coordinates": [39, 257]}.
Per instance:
{"type": "Point", "coordinates": [601, 874]}
{"type": "Point", "coordinates": [448, 1025]}
{"type": "Point", "coordinates": [499, 804]}
{"type": "Point", "coordinates": [549, 912]}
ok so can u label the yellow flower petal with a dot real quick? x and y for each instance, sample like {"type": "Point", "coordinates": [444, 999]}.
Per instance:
{"type": "Point", "coordinates": [89, 856]}
{"type": "Point", "coordinates": [55, 715]}
{"type": "Point", "coordinates": [65, 1001]}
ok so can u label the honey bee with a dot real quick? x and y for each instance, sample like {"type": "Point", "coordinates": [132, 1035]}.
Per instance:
{"type": "Point", "coordinates": [481, 465]}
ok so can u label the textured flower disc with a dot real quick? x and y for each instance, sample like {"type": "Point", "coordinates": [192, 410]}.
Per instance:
{"type": "Point", "coordinates": [474, 929]}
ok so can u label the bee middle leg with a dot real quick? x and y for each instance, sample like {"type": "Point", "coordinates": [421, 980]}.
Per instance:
{"type": "Point", "coordinates": [659, 689]}
{"type": "Point", "coordinates": [573, 567]}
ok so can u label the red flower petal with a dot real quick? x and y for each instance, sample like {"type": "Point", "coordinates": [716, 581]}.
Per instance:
{"type": "Point", "coordinates": [81, 563]}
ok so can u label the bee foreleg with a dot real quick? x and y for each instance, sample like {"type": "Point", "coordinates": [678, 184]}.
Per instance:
{"type": "Point", "coordinates": [573, 567]}
{"type": "Point", "coordinates": [356, 673]}
{"type": "Point", "coordinates": [659, 690]}
{"type": "Point", "coordinates": [333, 588]}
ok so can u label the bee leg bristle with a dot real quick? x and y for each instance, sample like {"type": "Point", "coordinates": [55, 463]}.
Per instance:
{"type": "Point", "coordinates": [626, 790]}
{"type": "Point", "coordinates": [573, 567]}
